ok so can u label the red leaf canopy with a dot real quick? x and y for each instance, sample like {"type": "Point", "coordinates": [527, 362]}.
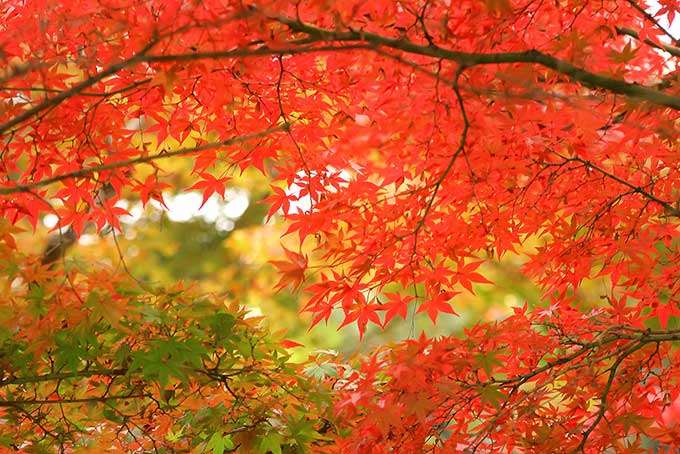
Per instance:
{"type": "Point", "coordinates": [428, 136]}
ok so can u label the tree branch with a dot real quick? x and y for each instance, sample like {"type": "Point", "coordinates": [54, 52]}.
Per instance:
{"type": "Point", "coordinates": [243, 53]}
{"type": "Point", "coordinates": [18, 403]}
{"type": "Point", "coordinates": [140, 160]}
{"type": "Point", "coordinates": [142, 57]}
{"type": "Point", "coordinates": [670, 209]}
{"type": "Point", "coordinates": [674, 51]}
{"type": "Point", "coordinates": [76, 89]}
{"type": "Point", "coordinates": [653, 20]}
{"type": "Point", "coordinates": [62, 376]}
{"type": "Point", "coordinates": [468, 59]}
{"type": "Point", "coordinates": [605, 394]}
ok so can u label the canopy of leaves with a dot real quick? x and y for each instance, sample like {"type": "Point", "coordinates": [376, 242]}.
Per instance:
{"type": "Point", "coordinates": [409, 144]}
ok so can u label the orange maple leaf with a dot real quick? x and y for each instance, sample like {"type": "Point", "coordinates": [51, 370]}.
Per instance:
{"type": "Point", "coordinates": [292, 270]}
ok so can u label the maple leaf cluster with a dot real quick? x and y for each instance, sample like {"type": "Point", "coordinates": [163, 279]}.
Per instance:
{"type": "Point", "coordinates": [426, 138]}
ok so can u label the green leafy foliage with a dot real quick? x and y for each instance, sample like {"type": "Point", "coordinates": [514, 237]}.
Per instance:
{"type": "Point", "coordinates": [176, 369]}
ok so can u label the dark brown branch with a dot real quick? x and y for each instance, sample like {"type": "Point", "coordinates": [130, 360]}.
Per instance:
{"type": "Point", "coordinates": [653, 20]}
{"type": "Point", "coordinates": [670, 209]}
{"type": "Point", "coordinates": [605, 395]}
{"type": "Point", "coordinates": [452, 160]}
{"type": "Point", "coordinates": [87, 171]}
{"type": "Point", "coordinates": [76, 89]}
{"type": "Point", "coordinates": [635, 335]}
{"type": "Point", "coordinates": [638, 338]}
{"type": "Point", "coordinates": [142, 57]}
{"type": "Point", "coordinates": [63, 376]}
{"type": "Point", "coordinates": [15, 403]}
{"type": "Point", "coordinates": [94, 94]}
{"type": "Point", "coordinates": [244, 53]}
{"type": "Point", "coordinates": [674, 51]}
{"type": "Point", "coordinates": [467, 59]}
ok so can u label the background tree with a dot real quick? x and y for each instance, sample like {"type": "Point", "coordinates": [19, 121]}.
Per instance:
{"type": "Point", "coordinates": [411, 145]}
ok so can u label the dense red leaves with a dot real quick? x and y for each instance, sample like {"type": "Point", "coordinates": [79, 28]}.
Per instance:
{"type": "Point", "coordinates": [416, 140]}
{"type": "Point", "coordinates": [490, 393]}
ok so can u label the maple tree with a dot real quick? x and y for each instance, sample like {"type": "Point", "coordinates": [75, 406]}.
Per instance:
{"type": "Point", "coordinates": [424, 138]}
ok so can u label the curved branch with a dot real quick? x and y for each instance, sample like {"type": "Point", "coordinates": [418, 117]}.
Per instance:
{"type": "Point", "coordinates": [140, 160]}
{"type": "Point", "coordinates": [468, 59]}
{"type": "Point", "coordinates": [63, 376]}
{"type": "Point", "coordinates": [76, 89]}
{"type": "Point", "coordinates": [674, 51]}
{"type": "Point", "coordinates": [452, 160]}
{"type": "Point", "coordinates": [14, 403]}
{"type": "Point", "coordinates": [605, 394]}
{"type": "Point", "coordinates": [670, 209]}
{"type": "Point", "coordinates": [143, 57]}
{"type": "Point", "coordinates": [262, 51]}
{"type": "Point", "coordinates": [653, 20]}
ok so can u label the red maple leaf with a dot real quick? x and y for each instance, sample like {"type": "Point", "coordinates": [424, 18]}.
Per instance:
{"type": "Point", "coordinates": [292, 270]}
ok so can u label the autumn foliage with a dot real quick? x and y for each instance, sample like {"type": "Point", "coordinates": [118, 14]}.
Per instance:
{"type": "Point", "coordinates": [408, 143]}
